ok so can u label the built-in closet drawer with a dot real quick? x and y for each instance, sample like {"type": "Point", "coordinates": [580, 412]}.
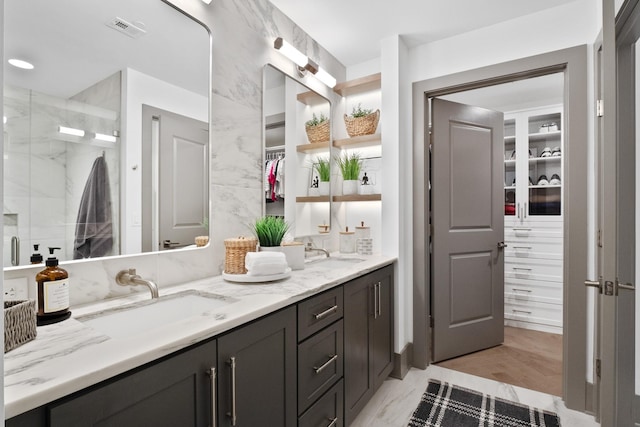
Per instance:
{"type": "Point", "coordinates": [320, 364]}
{"type": "Point", "coordinates": [530, 290]}
{"type": "Point", "coordinates": [549, 270]}
{"type": "Point", "coordinates": [533, 312]}
{"type": "Point", "coordinates": [327, 411]}
{"type": "Point", "coordinates": [535, 249]}
{"type": "Point", "coordinates": [522, 233]}
{"type": "Point", "coordinates": [319, 311]}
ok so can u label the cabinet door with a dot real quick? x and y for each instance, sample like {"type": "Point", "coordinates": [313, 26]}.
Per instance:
{"type": "Point", "coordinates": [173, 392]}
{"type": "Point", "coordinates": [382, 350]}
{"type": "Point", "coordinates": [257, 373]}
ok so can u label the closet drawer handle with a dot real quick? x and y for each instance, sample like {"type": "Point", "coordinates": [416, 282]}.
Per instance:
{"type": "Point", "coordinates": [325, 313]}
{"type": "Point", "coordinates": [325, 364]}
{"type": "Point", "coordinates": [521, 229]}
{"type": "Point", "coordinates": [521, 290]}
{"type": "Point", "coordinates": [522, 268]}
{"type": "Point", "coordinates": [521, 311]}
{"type": "Point", "coordinates": [522, 247]}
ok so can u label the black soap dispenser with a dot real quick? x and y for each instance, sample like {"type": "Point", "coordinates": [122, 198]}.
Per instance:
{"type": "Point", "coordinates": [53, 292]}
{"type": "Point", "coordinates": [36, 258]}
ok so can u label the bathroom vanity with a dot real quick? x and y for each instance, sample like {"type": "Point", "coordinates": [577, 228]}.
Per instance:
{"type": "Point", "coordinates": [309, 350]}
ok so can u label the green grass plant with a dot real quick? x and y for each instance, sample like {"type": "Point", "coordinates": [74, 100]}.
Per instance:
{"type": "Point", "coordinates": [270, 230]}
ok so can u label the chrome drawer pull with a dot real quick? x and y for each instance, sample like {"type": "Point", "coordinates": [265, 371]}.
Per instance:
{"type": "Point", "coordinates": [522, 268]}
{"type": "Point", "coordinates": [325, 313]}
{"type": "Point", "coordinates": [232, 414]}
{"type": "Point", "coordinates": [327, 363]}
{"type": "Point", "coordinates": [521, 229]}
{"type": "Point", "coordinates": [521, 290]}
{"type": "Point", "coordinates": [212, 377]}
{"type": "Point", "coordinates": [522, 247]}
{"type": "Point", "coordinates": [521, 311]}
{"type": "Point", "coordinates": [334, 422]}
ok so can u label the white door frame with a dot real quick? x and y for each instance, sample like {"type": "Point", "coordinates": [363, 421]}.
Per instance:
{"type": "Point", "coordinates": [573, 62]}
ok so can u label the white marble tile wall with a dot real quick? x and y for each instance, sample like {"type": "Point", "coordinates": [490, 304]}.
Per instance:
{"type": "Point", "coordinates": [243, 32]}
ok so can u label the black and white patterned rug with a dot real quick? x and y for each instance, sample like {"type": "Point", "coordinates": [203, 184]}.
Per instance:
{"type": "Point", "coordinates": [446, 405]}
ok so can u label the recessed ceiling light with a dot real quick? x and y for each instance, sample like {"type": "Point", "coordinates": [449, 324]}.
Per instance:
{"type": "Point", "coordinates": [19, 63]}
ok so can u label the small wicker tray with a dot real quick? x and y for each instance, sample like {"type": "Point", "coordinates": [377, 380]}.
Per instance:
{"type": "Point", "coordinates": [236, 250]}
{"type": "Point", "coordinates": [19, 323]}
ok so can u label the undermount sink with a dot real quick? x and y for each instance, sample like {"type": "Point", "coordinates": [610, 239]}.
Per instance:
{"type": "Point", "coordinates": [332, 262]}
{"type": "Point", "coordinates": [135, 318]}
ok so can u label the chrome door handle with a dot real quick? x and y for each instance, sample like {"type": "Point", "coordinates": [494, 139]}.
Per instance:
{"type": "Point", "coordinates": [212, 378]}
{"type": "Point", "coordinates": [594, 284]}
{"type": "Point", "coordinates": [334, 422]}
{"type": "Point", "coordinates": [502, 245]}
{"type": "Point", "coordinates": [232, 414]}
{"type": "Point", "coordinates": [169, 244]}
{"type": "Point", "coordinates": [627, 286]}
{"type": "Point", "coordinates": [325, 313]}
{"type": "Point", "coordinates": [325, 364]}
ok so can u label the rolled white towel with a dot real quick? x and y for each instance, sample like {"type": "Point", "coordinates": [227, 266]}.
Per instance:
{"type": "Point", "coordinates": [265, 263]}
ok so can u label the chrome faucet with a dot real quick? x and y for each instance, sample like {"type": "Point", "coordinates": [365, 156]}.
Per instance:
{"type": "Point", "coordinates": [310, 248]}
{"type": "Point", "coordinates": [129, 277]}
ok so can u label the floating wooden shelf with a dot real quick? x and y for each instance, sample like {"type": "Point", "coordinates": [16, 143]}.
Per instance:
{"type": "Point", "coordinates": [311, 98]}
{"type": "Point", "coordinates": [304, 148]}
{"type": "Point", "coordinates": [312, 199]}
{"type": "Point", "coordinates": [363, 84]}
{"type": "Point", "coordinates": [364, 140]}
{"type": "Point", "coordinates": [358, 198]}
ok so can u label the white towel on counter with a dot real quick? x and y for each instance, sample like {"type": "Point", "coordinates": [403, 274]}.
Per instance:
{"type": "Point", "coordinates": [265, 263]}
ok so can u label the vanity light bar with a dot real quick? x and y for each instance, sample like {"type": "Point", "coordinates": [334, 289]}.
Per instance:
{"type": "Point", "coordinates": [206, 1]}
{"type": "Point", "coordinates": [291, 52]}
{"type": "Point", "coordinates": [70, 131]}
{"type": "Point", "coordinates": [325, 78]}
{"type": "Point", "coordinates": [103, 137]}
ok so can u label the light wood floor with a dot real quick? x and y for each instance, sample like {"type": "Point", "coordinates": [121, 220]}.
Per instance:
{"type": "Point", "coordinates": [528, 359]}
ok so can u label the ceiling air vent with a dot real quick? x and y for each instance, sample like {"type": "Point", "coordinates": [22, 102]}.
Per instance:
{"type": "Point", "coordinates": [125, 27]}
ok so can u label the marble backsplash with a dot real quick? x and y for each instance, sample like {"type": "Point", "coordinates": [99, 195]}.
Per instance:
{"type": "Point", "coordinates": [242, 44]}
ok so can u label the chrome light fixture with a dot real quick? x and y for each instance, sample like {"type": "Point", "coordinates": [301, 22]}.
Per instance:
{"type": "Point", "coordinates": [303, 62]}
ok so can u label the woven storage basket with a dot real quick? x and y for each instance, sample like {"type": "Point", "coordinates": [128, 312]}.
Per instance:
{"type": "Point", "coordinates": [366, 125]}
{"type": "Point", "coordinates": [236, 249]}
{"type": "Point", "coordinates": [319, 133]}
{"type": "Point", "coordinates": [19, 323]}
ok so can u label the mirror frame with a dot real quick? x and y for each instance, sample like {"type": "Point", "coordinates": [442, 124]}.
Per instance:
{"type": "Point", "coordinates": [267, 66]}
{"type": "Point", "coordinates": [189, 10]}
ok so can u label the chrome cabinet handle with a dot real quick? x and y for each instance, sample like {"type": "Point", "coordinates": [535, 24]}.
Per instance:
{"type": "Point", "coordinates": [232, 414]}
{"type": "Point", "coordinates": [521, 311]}
{"type": "Point", "coordinates": [334, 422]}
{"type": "Point", "coordinates": [325, 364]}
{"type": "Point", "coordinates": [15, 250]}
{"type": "Point", "coordinates": [375, 300]}
{"type": "Point", "coordinates": [525, 209]}
{"type": "Point", "coordinates": [325, 313]}
{"type": "Point", "coordinates": [212, 378]}
{"type": "Point", "coordinates": [521, 290]}
{"type": "Point", "coordinates": [522, 268]}
{"type": "Point", "coordinates": [379, 299]}
{"type": "Point", "coordinates": [521, 229]}
{"type": "Point", "coordinates": [519, 212]}
{"type": "Point", "coordinates": [522, 247]}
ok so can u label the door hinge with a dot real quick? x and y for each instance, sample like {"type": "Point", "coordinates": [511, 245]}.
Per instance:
{"type": "Point", "coordinates": [598, 368]}
{"type": "Point", "coordinates": [599, 108]}
{"type": "Point", "coordinates": [431, 321]}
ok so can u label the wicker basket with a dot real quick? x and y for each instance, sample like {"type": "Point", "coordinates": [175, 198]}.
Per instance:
{"type": "Point", "coordinates": [236, 249]}
{"type": "Point", "coordinates": [319, 133]}
{"type": "Point", "coordinates": [19, 323]}
{"type": "Point", "coordinates": [366, 125]}
{"type": "Point", "coordinates": [201, 241]}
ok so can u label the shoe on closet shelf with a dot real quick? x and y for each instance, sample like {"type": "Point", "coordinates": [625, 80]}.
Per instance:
{"type": "Point", "coordinates": [530, 181]}
{"type": "Point", "coordinates": [546, 152]}
{"type": "Point", "coordinates": [555, 179]}
{"type": "Point", "coordinates": [543, 180]}
{"type": "Point", "coordinates": [556, 152]}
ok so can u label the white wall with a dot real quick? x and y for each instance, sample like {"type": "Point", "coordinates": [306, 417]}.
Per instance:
{"type": "Point", "coordinates": [139, 89]}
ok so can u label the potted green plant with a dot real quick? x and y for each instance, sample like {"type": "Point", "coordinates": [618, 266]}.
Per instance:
{"type": "Point", "coordinates": [350, 165]}
{"type": "Point", "coordinates": [362, 121]}
{"type": "Point", "coordinates": [269, 230]}
{"type": "Point", "coordinates": [323, 167]}
{"type": "Point", "coordinates": [318, 129]}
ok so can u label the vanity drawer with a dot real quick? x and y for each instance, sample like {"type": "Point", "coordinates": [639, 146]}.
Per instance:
{"type": "Point", "coordinates": [327, 411]}
{"type": "Point", "coordinates": [320, 364]}
{"type": "Point", "coordinates": [319, 311]}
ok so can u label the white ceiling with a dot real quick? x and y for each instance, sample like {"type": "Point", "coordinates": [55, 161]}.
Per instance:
{"type": "Point", "coordinates": [352, 29]}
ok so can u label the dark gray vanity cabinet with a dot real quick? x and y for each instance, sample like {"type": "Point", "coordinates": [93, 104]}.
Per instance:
{"type": "Point", "coordinates": [174, 391]}
{"type": "Point", "coordinates": [368, 337]}
{"type": "Point", "coordinates": [257, 373]}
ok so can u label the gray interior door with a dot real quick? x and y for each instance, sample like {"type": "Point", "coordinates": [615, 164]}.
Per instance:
{"type": "Point", "coordinates": [174, 214]}
{"type": "Point", "coordinates": [468, 228]}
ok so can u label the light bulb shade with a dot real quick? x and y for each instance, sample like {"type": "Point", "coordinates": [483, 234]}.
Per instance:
{"type": "Point", "coordinates": [325, 77]}
{"type": "Point", "coordinates": [70, 131]}
{"type": "Point", "coordinates": [104, 137]}
{"type": "Point", "coordinates": [290, 52]}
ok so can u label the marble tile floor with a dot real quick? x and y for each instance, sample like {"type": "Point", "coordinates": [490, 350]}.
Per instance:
{"type": "Point", "coordinates": [396, 400]}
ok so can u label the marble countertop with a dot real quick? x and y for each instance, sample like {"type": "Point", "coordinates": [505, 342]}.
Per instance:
{"type": "Point", "coordinates": [70, 356]}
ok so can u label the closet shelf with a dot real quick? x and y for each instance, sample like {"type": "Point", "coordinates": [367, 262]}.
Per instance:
{"type": "Point", "coordinates": [317, 146]}
{"type": "Point", "coordinates": [358, 198]}
{"type": "Point", "coordinates": [544, 135]}
{"type": "Point", "coordinates": [361, 141]}
{"type": "Point", "coordinates": [544, 159]}
{"type": "Point", "coordinates": [363, 84]}
{"type": "Point", "coordinates": [312, 199]}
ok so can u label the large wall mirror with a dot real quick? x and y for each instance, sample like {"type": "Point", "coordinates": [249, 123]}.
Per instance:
{"type": "Point", "coordinates": [297, 159]}
{"type": "Point", "coordinates": [106, 141]}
